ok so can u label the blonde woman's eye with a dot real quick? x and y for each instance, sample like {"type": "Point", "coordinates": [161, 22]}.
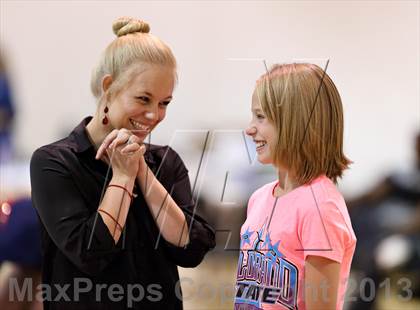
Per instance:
{"type": "Point", "coordinates": [144, 99]}
{"type": "Point", "coordinates": [260, 116]}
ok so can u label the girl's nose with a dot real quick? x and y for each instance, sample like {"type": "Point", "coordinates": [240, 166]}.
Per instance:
{"type": "Point", "coordinates": [251, 130]}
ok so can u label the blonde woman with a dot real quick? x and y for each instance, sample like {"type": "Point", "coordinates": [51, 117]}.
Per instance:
{"type": "Point", "coordinates": [297, 242]}
{"type": "Point", "coordinates": [117, 215]}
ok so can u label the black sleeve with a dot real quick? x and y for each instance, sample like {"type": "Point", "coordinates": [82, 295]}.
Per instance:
{"type": "Point", "coordinates": [66, 217]}
{"type": "Point", "coordinates": [201, 235]}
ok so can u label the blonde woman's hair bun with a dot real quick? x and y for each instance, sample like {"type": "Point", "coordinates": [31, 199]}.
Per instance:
{"type": "Point", "coordinates": [132, 48]}
{"type": "Point", "coordinates": [126, 25]}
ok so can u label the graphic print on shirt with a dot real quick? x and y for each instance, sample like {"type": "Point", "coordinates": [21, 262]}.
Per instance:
{"type": "Point", "coordinates": [264, 274]}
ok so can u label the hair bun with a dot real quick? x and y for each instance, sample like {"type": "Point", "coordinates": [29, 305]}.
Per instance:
{"type": "Point", "coordinates": [126, 25]}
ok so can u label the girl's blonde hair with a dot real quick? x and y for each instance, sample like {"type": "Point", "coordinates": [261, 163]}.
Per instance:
{"type": "Point", "coordinates": [302, 102]}
{"type": "Point", "coordinates": [134, 45]}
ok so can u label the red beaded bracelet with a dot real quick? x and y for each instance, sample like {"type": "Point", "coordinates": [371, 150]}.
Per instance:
{"type": "Point", "coordinates": [122, 187]}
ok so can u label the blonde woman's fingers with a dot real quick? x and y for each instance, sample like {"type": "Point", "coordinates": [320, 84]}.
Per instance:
{"type": "Point", "coordinates": [130, 148]}
{"type": "Point", "coordinates": [105, 144]}
{"type": "Point", "coordinates": [122, 138]}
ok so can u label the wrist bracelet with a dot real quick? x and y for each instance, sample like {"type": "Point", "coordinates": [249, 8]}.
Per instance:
{"type": "Point", "coordinates": [122, 187]}
{"type": "Point", "coordinates": [115, 221]}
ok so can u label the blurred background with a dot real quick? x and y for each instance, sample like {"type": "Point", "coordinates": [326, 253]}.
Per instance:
{"type": "Point", "coordinates": [48, 49]}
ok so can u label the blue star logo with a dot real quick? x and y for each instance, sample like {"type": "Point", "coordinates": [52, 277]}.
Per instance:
{"type": "Point", "coordinates": [246, 237]}
{"type": "Point", "coordinates": [267, 241]}
{"type": "Point", "coordinates": [273, 250]}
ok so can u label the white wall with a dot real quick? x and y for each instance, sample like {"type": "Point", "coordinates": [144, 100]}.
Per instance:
{"type": "Point", "coordinates": [373, 49]}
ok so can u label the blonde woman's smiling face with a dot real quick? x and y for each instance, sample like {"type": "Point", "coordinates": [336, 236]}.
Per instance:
{"type": "Point", "coordinates": [142, 105]}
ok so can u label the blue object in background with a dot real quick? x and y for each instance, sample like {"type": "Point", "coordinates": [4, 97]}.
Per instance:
{"type": "Point", "coordinates": [6, 103]}
{"type": "Point", "coordinates": [20, 240]}
{"type": "Point", "coordinates": [7, 112]}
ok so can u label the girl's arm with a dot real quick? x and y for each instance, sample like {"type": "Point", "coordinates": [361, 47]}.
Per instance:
{"type": "Point", "coordinates": [321, 283]}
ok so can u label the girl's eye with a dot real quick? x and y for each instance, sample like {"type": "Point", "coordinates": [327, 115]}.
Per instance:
{"type": "Point", "coordinates": [260, 116]}
{"type": "Point", "coordinates": [165, 103]}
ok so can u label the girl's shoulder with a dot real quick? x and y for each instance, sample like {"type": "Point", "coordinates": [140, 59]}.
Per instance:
{"type": "Point", "coordinates": [261, 195]}
{"type": "Point", "coordinates": [264, 190]}
{"type": "Point", "coordinates": [320, 191]}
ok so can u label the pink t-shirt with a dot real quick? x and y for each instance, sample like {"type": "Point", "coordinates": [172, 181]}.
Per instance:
{"type": "Point", "coordinates": [278, 235]}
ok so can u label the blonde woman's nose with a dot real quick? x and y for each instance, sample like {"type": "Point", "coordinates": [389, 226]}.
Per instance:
{"type": "Point", "coordinates": [150, 115]}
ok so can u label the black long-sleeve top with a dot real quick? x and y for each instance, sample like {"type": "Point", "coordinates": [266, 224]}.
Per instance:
{"type": "Point", "coordinates": [79, 251]}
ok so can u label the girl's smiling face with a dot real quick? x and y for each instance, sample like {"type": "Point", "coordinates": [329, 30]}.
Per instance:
{"type": "Point", "coordinates": [262, 132]}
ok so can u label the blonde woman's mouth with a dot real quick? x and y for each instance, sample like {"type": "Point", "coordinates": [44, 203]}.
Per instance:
{"type": "Point", "coordinates": [139, 126]}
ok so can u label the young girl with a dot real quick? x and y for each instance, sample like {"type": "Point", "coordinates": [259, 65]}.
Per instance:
{"type": "Point", "coordinates": [297, 242]}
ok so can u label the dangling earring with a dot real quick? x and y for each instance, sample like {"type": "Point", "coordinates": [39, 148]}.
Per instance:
{"type": "Point", "coordinates": [105, 119]}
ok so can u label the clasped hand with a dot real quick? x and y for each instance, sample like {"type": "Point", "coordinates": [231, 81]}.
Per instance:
{"type": "Point", "coordinates": [124, 151]}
